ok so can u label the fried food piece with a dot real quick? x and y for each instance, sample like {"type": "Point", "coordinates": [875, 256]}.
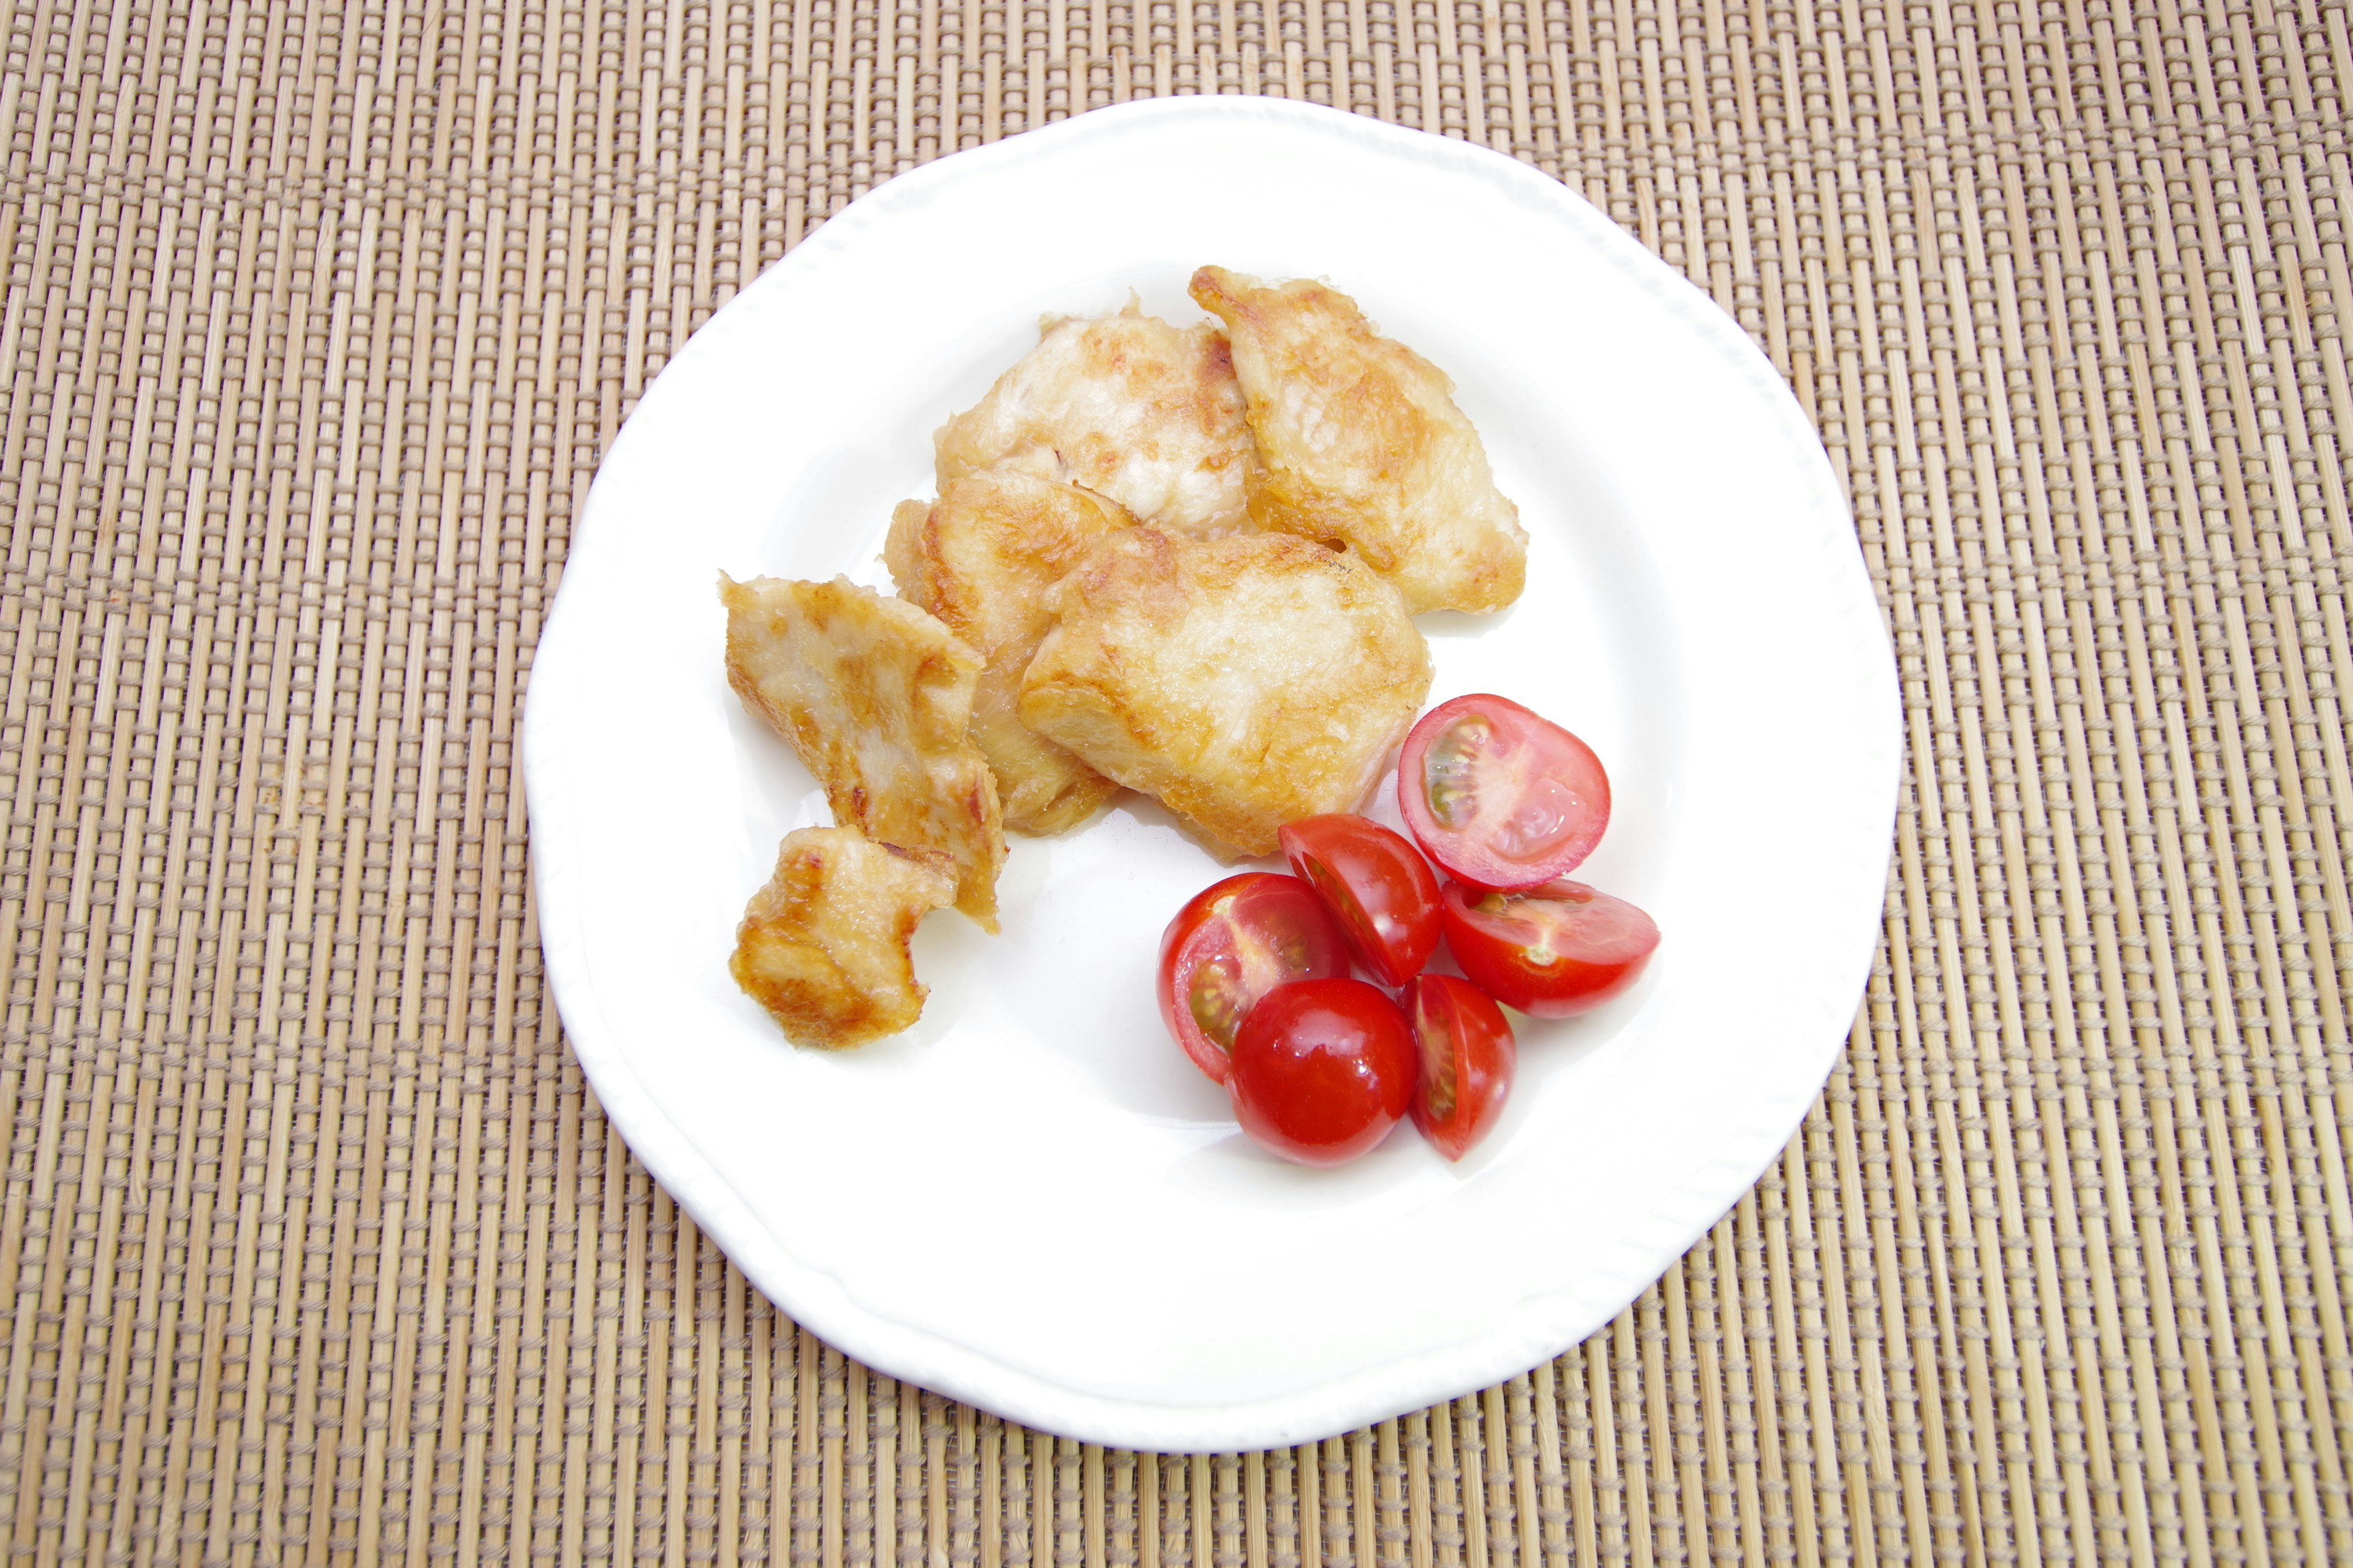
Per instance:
{"type": "Point", "coordinates": [1248, 681]}
{"type": "Point", "coordinates": [1128, 405]}
{"type": "Point", "coordinates": [823, 946]}
{"type": "Point", "coordinates": [876, 697]}
{"type": "Point", "coordinates": [1359, 443]}
{"type": "Point", "coordinates": [981, 558]}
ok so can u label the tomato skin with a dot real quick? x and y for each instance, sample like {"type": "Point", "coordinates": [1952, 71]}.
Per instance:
{"type": "Point", "coordinates": [1499, 796]}
{"type": "Point", "coordinates": [1468, 1058]}
{"type": "Point", "coordinates": [1552, 952]}
{"type": "Point", "coordinates": [1232, 943]}
{"type": "Point", "coordinates": [1378, 887]}
{"type": "Point", "coordinates": [1321, 1070]}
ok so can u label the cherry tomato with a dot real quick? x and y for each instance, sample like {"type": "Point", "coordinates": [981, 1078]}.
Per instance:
{"type": "Point", "coordinates": [1553, 951]}
{"type": "Point", "coordinates": [1376, 884]}
{"type": "Point", "coordinates": [1233, 943]}
{"type": "Point", "coordinates": [1468, 1055]}
{"type": "Point", "coordinates": [1321, 1070]}
{"type": "Point", "coordinates": [1499, 796]}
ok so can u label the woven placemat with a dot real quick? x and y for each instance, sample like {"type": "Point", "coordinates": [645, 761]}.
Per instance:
{"type": "Point", "coordinates": [317, 1248]}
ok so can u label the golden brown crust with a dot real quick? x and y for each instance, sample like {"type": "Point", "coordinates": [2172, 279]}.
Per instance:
{"type": "Point", "coordinates": [823, 946]}
{"type": "Point", "coordinates": [1128, 406]}
{"type": "Point", "coordinates": [982, 558]}
{"type": "Point", "coordinates": [1246, 681]}
{"type": "Point", "coordinates": [1359, 444]}
{"type": "Point", "coordinates": [876, 697]}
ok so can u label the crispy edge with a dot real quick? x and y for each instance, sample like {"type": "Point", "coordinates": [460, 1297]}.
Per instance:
{"type": "Point", "coordinates": [1144, 574]}
{"type": "Point", "coordinates": [958, 453]}
{"type": "Point", "coordinates": [939, 704]}
{"type": "Point", "coordinates": [1283, 499]}
{"type": "Point", "coordinates": [782, 961]}
{"type": "Point", "coordinates": [917, 556]}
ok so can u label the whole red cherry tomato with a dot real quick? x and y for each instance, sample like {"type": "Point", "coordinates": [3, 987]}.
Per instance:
{"type": "Point", "coordinates": [1321, 1070]}
{"type": "Point", "coordinates": [1499, 796]}
{"type": "Point", "coordinates": [1553, 951]}
{"type": "Point", "coordinates": [1230, 945]}
{"type": "Point", "coordinates": [1376, 884]}
{"type": "Point", "coordinates": [1468, 1056]}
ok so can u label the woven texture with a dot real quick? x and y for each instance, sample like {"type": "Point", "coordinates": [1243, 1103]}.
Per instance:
{"type": "Point", "coordinates": [317, 1248]}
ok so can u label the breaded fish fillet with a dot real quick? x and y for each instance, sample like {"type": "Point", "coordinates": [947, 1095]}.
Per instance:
{"type": "Point", "coordinates": [981, 558]}
{"type": "Point", "coordinates": [1126, 404]}
{"type": "Point", "coordinates": [1248, 681]}
{"type": "Point", "coordinates": [1359, 444]}
{"type": "Point", "coordinates": [876, 697]}
{"type": "Point", "coordinates": [823, 946]}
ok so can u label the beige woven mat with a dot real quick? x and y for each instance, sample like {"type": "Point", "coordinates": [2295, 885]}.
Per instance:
{"type": "Point", "coordinates": [316, 1247]}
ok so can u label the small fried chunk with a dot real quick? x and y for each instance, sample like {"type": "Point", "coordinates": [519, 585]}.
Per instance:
{"type": "Point", "coordinates": [1359, 444]}
{"type": "Point", "coordinates": [1248, 681]}
{"type": "Point", "coordinates": [981, 558]}
{"type": "Point", "coordinates": [876, 697]}
{"type": "Point", "coordinates": [1127, 406]}
{"type": "Point", "coordinates": [823, 946]}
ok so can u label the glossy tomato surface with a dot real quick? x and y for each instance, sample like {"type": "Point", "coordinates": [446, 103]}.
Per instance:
{"type": "Point", "coordinates": [1468, 1057]}
{"type": "Point", "coordinates": [1321, 1070]}
{"type": "Point", "coordinates": [1552, 952]}
{"type": "Point", "coordinates": [1499, 796]}
{"type": "Point", "coordinates": [1377, 886]}
{"type": "Point", "coordinates": [1232, 943]}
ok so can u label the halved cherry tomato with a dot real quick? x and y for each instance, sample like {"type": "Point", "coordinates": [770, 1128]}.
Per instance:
{"type": "Point", "coordinates": [1321, 1070]}
{"type": "Point", "coordinates": [1233, 943]}
{"type": "Point", "coordinates": [1500, 796]}
{"type": "Point", "coordinates": [1468, 1055]}
{"type": "Point", "coordinates": [1376, 884]}
{"type": "Point", "coordinates": [1553, 951]}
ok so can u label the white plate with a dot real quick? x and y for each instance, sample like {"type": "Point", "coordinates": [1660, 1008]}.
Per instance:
{"type": "Point", "coordinates": [1030, 1201]}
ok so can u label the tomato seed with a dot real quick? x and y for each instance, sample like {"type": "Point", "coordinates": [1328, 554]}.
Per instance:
{"type": "Point", "coordinates": [1216, 1001]}
{"type": "Point", "coordinates": [1448, 770]}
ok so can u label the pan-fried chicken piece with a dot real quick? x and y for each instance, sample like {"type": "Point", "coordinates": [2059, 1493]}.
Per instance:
{"type": "Point", "coordinates": [1359, 444]}
{"type": "Point", "coordinates": [823, 946]}
{"type": "Point", "coordinates": [876, 697]}
{"type": "Point", "coordinates": [1248, 681]}
{"type": "Point", "coordinates": [981, 559]}
{"type": "Point", "coordinates": [1126, 404]}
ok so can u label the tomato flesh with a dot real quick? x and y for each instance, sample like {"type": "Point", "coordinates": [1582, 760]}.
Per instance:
{"type": "Point", "coordinates": [1322, 1070]}
{"type": "Point", "coordinates": [1500, 796]}
{"type": "Point", "coordinates": [1468, 1057]}
{"type": "Point", "coordinates": [1551, 951]}
{"type": "Point", "coordinates": [1377, 886]}
{"type": "Point", "coordinates": [1232, 943]}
